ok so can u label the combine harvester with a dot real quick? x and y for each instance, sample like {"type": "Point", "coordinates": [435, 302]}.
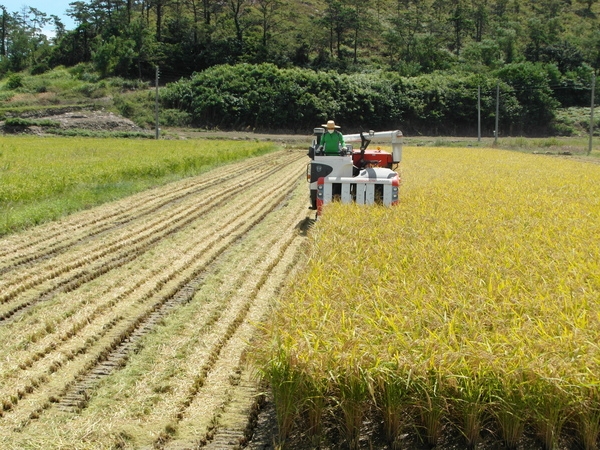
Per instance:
{"type": "Point", "coordinates": [361, 176]}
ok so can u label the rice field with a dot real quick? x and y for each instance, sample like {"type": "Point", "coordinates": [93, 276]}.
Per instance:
{"type": "Point", "coordinates": [43, 178]}
{"type": "Point", "coordinates": [472, 308]}
{"type": "Point", "coordinates": [128, 325]}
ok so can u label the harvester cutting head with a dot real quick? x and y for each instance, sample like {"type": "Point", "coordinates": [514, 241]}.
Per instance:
{"type": "Point", "coordinates": [354, 175]}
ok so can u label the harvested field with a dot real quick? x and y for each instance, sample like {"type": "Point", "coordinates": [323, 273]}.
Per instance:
{"type": "Point", "coordinates": [127, 326]}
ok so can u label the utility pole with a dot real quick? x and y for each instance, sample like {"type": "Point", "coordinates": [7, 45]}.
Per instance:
{"type": "Point", "coordinates": [479, 113]}
{"type": "Point", "coordinates": [497, 112]}
{"type": "Point", "coordinates": [3, 34]}
{"type": "Point", "coordinates": [592, 113]}
{"type": "Point", "coordinates": [156, 105]}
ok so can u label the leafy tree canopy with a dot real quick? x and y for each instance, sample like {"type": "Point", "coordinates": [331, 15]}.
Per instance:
{"type": "Point", "coordinates": [542, 51]}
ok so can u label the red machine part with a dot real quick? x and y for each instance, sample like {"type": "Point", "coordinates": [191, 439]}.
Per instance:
{"type": "Point", "coordinates": [320, 200]}
{"type": "Point", "coordinates": [378, 158]}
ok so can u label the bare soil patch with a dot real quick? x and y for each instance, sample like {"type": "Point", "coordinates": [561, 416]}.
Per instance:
{"type": "Point", "coordinates": [93, 120]}
{"type": "Point", "coordinates": [69, 118]}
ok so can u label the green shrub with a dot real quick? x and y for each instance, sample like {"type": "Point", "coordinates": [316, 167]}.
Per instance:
{"type": "Point", "coordinates": [564, 130]}
{"type": "Point", "coordinates": [14, 81]}
{"type": "Point", "coordinates": [18, 122]}
{"type": "Point", "coordinates": [21, 122]}
{"type": "Point", "coordinates": [265, 97]}
{"type": "Point", "coordinates": [174, 118]}
{"type": "Point", "coordinates": [39, 68]}
{"type": "Point", "coordinates": [530, 84]}
{"type": "Point", "coordinates": [93, 90]}
{"type": "Point", "coordinates": [84, 72]}
{"type": "Point", "coordinates": [127, 85]}
{"type": "Point", "coordinates": [125, 107]}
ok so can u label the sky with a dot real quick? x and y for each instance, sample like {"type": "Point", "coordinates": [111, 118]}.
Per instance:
{"type": "Point", "coordinates": [50, 7]}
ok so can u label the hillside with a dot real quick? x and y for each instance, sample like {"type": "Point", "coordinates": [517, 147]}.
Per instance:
{"type": "Point", "coordinates": [264, 99]}
{"type": "Point", "coordinates": [411, 37]}
{"type": "Point", "coordinates": [418, 64]}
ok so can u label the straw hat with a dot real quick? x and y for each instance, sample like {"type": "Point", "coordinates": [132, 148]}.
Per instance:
{"type": "Point", "coordinates": [330, 125]}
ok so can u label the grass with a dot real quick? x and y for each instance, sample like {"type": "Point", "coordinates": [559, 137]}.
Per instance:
{"type": "Point", "coordinates": [473, 303]}
{"type": "Point", "coordinates": [575, 145]}
{"type": "Point", "coordinates": [45, 178]}
{"type": "Point", "coordinates": [75, 87]}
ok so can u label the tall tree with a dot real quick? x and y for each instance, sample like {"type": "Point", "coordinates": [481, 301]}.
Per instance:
{"type": "Point", "coordinates": [59, 28]}
{"type": "Point", "coordinates": [3, 31]}
{"type": "Point", "coordinates": [78, 45]}
{"type": "Point", "coordinates": [538, 38]}
{"type": "Point", "coordinates": [358, 21]}
{"type": "Point", "coordinates": [159, 10]}
{"type": "Point", "coordinates": [338, 19]}
{"type": "Point", "coordinates": [197, 10]}
{"type": "Point", "coordinates": [269, 13]}
{"type": "Point", "coordinates": [238, 9]}
{"type": "Point", "coordinates": [460, 24]}
{"type": "Point", "coordinates": [24, 43]}
{"type": "Point", "coordinates": [480, 14]}
{"type": "Point", "coordinates": [407, 23]}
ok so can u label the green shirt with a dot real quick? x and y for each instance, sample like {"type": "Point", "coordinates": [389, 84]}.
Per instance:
{"type": "Point", "coordinates": [331, 142]}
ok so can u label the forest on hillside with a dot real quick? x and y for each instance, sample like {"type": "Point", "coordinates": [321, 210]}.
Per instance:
{"type": "Point", "coordinates": [130, 38]}
{"type": "Point", "coordinates": [546, 49]}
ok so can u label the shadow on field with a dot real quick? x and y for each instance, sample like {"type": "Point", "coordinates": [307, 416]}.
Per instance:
{"type": "Point", "coordinates": [305, 225]}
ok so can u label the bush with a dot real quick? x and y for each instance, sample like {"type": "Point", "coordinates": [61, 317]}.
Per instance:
{"type": "Point", "coordinates": [84, 72]}
{"type": "Point", "coordinates": [265, 97]}
{"type": "Point", "coordinates": [530, 84]}
{"type": "Point", "coordinates": [127, 85]}
{"type": "Point", "coordinates": [40, 68]}
{"type": "Point", "coordinates": [174, 118]}
{"type": "Point", "coordinates": [125, 107]}
{"type": "Point", "coordinates": [14, 81]}
{"type": "Point", "coordinates": [18, 122]}
{"type": "Point", "coordinates": [21, 122]}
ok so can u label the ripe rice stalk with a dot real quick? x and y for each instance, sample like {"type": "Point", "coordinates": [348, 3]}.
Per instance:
{"type": "Point", "coordinates": [503, 285]}
{"type": "Point", "coordinates": [587, 417]}
{"type": "Point", "coordinates": [286, 383]}
{"type": "Point", "coordinates": [551, 406]}
{"type": "Point", "coordinates": [355, 390]}
{"type": "Point", "coordinates": [431, 405]}
{"type": "Point", "coordinates": [316, 392]}
{"type": "Point", "coordinates": [392, 387]}
{"type": "Point", "coordinates": [509, 408]}
{"type": "Point", "coordinates": [471, 402]}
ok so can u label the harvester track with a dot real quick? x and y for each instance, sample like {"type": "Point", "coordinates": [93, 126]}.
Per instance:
{"type": "Point", "coordinates": [103, 255]}
{"type": "Point", "coordinates": [52, 240]}
{"type": "Point", "coordinates": [82, 303]}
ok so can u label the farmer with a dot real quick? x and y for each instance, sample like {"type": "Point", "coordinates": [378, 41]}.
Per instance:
{"type": "Point", "coordinates": [333, 140]}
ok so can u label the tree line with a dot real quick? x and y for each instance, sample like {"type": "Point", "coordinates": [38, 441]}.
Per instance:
{"type": "Point", "coordinates": [129, 38]}
{"type": "Point", "coordinates": [266, 97]}
{"type": "Point", "coordinates": [351, 41]}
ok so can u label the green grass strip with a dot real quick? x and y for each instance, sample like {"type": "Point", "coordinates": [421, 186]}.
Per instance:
{"type": "Point", "coordinates": [44, 178]}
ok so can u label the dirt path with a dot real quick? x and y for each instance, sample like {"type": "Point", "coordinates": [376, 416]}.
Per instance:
{"type": "Point", "coordinates": [128, 326]}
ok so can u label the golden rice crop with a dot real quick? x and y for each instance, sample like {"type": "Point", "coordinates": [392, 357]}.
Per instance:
{"type": "Point", "coordinates": [475, 302]}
